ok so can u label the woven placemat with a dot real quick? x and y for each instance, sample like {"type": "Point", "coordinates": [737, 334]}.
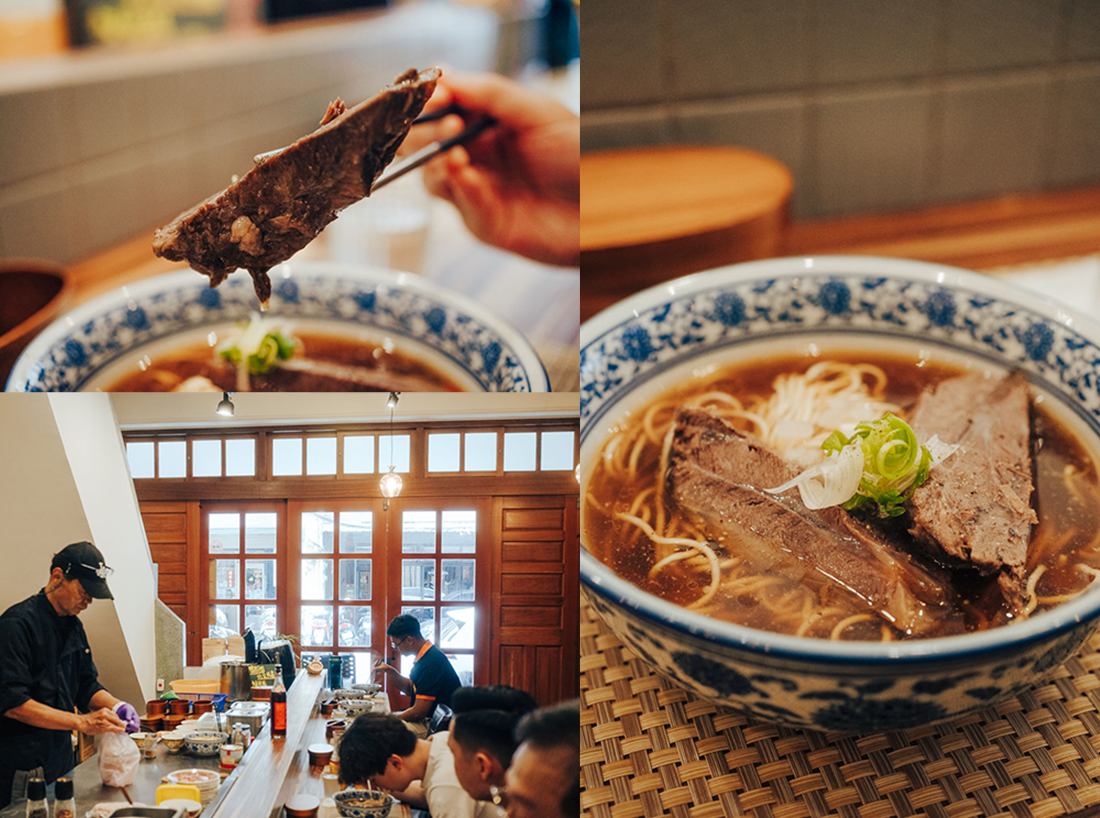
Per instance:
{"type": "Point", "coordinates": [649, 748]}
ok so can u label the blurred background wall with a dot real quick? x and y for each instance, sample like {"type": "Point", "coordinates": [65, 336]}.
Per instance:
{"type": "Point", "coordinates": [872, 104]}
{"type": "Point", "coordinates": [100, 143]}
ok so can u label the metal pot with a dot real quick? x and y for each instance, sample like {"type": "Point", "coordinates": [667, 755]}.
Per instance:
{"type": "Point", "coordinates": [236, 682]}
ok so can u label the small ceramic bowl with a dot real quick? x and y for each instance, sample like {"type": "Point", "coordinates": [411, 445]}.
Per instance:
{"type": "Point", "coordinates": [342, 693]}
{"type": "Point", "coordinates": [367, 688]}
{"type": "Point", "coordinates": [302, 805]}
{"type": "Point", "coordinates": [363, 803]}
{"type": "Point", "coordinates": [173, 741]}
{"type": "Point", "coordinates": [650, 341]}
{"type": "Point", "coordinates": [109, 337]}
{"type": "Point", "coordinates": [204, 742]}
{"type": "Point", "coordinates": [353, 707]}
{"type": "Point", "coordinates": [319, 754]}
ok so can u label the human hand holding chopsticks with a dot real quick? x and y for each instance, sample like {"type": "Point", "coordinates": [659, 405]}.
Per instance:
{"type": "Point", "coordinates": [517, 185]}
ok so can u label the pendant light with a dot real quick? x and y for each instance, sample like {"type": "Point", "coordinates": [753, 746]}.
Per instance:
{"type": "Point", "coordinates": [391, 481]}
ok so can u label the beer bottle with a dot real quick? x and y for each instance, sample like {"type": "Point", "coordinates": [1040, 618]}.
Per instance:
{"type": "Point", "coordinates": [278, 705]}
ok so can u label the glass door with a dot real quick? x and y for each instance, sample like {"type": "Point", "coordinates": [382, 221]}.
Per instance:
{"type": "Point", "coordinates": [439, 572]}
{"type": "Point", "coordinates": [244, 546]}
{"type": "Point", "coordinates": [335, 581]}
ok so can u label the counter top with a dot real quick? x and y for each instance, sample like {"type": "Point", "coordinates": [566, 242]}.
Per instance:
{"type": "Point", "coordinates": [251, 789]}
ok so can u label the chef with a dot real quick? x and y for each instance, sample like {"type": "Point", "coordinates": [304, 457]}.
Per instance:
{"type": "Point", "coordinates": [48, 682]}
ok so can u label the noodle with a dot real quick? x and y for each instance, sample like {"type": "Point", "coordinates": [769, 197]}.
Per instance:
{"type": "Point", "coordinates": [792, 413]}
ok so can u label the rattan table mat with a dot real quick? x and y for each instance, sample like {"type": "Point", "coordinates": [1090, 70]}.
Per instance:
{"type": "Point", "coordinates": [649, 748]}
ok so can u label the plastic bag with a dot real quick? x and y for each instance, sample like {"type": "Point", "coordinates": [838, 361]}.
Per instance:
{"type": "Point", "coordinates": [119, 757]}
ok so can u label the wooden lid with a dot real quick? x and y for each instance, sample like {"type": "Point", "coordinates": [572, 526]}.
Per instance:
{"type": "Point", "coordinates": [639, 196]}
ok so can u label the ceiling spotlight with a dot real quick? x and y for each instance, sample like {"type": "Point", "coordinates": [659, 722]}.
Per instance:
{"type": "Point", "coordinates": [225, 406]}
{"type": "Point", "coordinates": [391, 402]}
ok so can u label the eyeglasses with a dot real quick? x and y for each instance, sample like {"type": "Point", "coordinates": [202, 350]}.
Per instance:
{"type": "Point", "coordinates": [498, 795]}
{"type": "Point", "coordinates": [102, 571]}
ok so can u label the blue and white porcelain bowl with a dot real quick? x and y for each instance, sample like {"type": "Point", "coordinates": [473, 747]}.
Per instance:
{"type": "Point", "coordinates": [205, 742]}
{"type": "Point", "coordinates": [363, 803]}
{"type": "Point", "coordinates": [353, 707]}
{"type": "Point", "coordinates": [641, 346]}
{"type": "Point", "coordinates": [85, 348]}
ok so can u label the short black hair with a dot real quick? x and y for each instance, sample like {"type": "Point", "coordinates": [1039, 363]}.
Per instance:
{"type": "Point", "coordinates": [556, 728]}
{"type": "Point", "coordinates": [492, 697]}
{"type": "Point", "coordinates": [369, 742]}
{"type": "Point", "coordinates": [404, 625]}
{"type": "Point", "coordinates": [490, 731]}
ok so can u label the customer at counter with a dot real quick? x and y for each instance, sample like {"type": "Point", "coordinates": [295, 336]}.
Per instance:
{"type": "Point", "coordinates": [431, 681]}
{"type": "Point", "coordinates": [48, 673]}
{"type": "Point", "coordinates": [379, 749]}
{"type": "Point", "coordinates": [543, 780]}
{"type": "Point", "coordinates": [517, 186]}
{"type": "Point", "coordinates": [482, 739]}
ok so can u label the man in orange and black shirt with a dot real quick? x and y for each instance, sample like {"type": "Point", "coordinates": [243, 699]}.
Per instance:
{"type": "Point", "coordinates": [431, 681]}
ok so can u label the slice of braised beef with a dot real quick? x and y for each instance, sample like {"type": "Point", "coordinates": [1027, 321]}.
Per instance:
{"type": "Point", "coordinates": [280, 206]}
{"type": "Point", "coordinates": [975, 509]}
{"type": "Point", "coordinates": [718, 475]}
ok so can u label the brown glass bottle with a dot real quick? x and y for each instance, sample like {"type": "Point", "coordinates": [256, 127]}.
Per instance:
{"type": "Point", "coordinates": [278, 705]}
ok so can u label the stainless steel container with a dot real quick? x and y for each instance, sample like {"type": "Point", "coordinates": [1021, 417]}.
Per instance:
{"type": "Point", "coordinates": [253, 714]}
{"type": "Point", "coordinates": [236, 681]}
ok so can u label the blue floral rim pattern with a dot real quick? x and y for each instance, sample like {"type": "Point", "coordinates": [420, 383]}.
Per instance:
{"type": "Point", "coordinates": [967, 319]}
{"type": "Point", "coordinates": [72, 349]}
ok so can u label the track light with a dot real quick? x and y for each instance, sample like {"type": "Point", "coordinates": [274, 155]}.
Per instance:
{"type": "Point", "coordinates": [391, 402]}
{"type": "Point", "coordinates": [225, 406]}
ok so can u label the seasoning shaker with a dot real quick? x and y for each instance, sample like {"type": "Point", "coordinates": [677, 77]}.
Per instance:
{"type": "Point", "coordinates": [36, 799]}
{"type": "Point", "coordinates": [64, 805]}
{"type": "Point", "coordinates": [238, 735]}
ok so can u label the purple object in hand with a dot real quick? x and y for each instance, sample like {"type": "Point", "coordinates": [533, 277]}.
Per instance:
{"type": "Point", "coordinates": [129, 715]}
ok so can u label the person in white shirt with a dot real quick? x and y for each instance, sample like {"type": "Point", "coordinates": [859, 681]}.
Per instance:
{"type": "Point", "coordinates": [380, 749]}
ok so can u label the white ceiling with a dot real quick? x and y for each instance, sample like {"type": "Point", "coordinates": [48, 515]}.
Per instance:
{"type": "Point", "coordinates": [137, 410]}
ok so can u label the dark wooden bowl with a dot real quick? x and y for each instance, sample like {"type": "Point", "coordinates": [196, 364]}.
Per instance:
{"type": "Point", "coordinates": [32, 293]}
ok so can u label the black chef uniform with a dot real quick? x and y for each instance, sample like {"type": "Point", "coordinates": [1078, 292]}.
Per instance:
{"type": "Point", "coordinates": [46, 658]}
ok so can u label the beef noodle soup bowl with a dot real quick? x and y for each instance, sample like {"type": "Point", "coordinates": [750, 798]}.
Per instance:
{"type": "Point", "coordinates": [843, 492]}
{"type": "Point", "coordinates": [328, 327]}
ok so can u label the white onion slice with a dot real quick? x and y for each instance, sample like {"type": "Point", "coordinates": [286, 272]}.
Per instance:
{"type": "Point", "coordinates": [831, 482]}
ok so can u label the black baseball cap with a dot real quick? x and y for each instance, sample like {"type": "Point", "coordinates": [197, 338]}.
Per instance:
{"type": "Point", "coordinates": [83, 561]}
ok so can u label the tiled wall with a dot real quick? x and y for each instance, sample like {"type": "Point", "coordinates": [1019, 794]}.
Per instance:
{"type": "Point", "coordinates": [872, 104]}
{"type": "Point", "coordinates": [95, 149]}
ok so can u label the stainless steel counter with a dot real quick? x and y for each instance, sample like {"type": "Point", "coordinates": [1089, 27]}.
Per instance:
{"type": "Point", "coordinates": [263, 766]}
{"type": "Point", "coordinates": [90, 790]}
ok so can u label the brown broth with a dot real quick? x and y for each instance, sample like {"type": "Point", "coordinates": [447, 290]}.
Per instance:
{"type": "Point", "coordinates": [167, 371]}
{"type": "Point", "coordinates": [1067, 536]}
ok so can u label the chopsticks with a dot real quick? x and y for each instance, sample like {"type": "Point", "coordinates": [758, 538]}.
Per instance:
{"type": "Point", "coordinates": [429, 152]}
{"type": "Point", "coordinates": [125, 792]}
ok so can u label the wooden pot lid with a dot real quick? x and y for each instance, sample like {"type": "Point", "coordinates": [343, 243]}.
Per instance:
{"type": "Point", "coordinates": [640, 196]}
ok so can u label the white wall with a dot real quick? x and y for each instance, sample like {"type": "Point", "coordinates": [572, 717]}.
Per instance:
{"type": "Point", "coordinates": [63, 478]}
{"type": "Point", "coordinates": [97, 459]}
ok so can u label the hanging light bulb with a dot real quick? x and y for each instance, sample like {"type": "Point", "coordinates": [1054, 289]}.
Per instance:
{"type": "Point", "coordinates": [391, 482]}
{"type": "Point", "coordinates": [225, 406]}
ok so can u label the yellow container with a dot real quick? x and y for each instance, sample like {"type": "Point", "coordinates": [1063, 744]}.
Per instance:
{"type": "Point", "coordinates": [188, 791]}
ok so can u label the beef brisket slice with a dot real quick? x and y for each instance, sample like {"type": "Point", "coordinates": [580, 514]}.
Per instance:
{"type": "Point", "coordinates": [975, 507]}
{"type": "Point", "coordinates": [719, 475]}
{"type": "Point", "coordinates": [281, 205]}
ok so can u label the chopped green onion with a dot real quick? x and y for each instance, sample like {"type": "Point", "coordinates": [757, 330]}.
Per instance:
{"type": "Point", "coordinates": [891, 465]}
{"type": "Point", "coordinates": [261, 346]}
